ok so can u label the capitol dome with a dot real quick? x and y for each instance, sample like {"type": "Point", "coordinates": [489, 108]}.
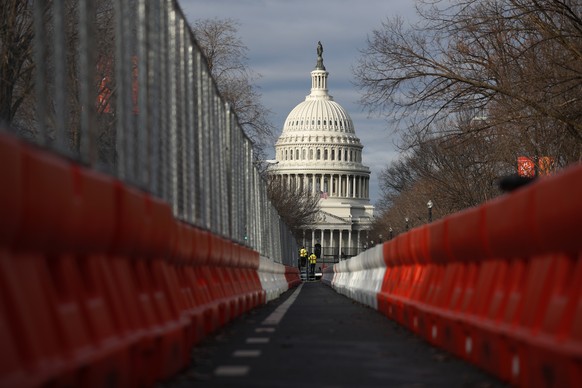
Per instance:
{"type": "Point", "coordinates": [318, 113]}
{"type": "Point", "coordinates": [318, 152]}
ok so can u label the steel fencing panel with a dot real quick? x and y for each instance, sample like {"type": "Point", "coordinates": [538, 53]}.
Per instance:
{"type": "Point", "coordinates": [123, 87]}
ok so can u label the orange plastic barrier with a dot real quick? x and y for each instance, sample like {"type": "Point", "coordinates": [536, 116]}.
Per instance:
{"type": "Point", "coordinates": [99, 283]}
{"type": "Point", "coordinates": [500, 284]}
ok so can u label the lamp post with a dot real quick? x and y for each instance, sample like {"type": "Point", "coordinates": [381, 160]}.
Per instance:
{"type": "Point", "coordinates": [406, 219]}
{"type": "Point", "coordinates": [390, 230]}
{"type": "Point", "coordinates": [429, 205]}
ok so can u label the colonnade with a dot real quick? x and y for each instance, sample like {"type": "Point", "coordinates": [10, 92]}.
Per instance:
{"type": "Point", "coordinates": [330, 185]}
{"type": "Point", "coordinates": [335, 243]}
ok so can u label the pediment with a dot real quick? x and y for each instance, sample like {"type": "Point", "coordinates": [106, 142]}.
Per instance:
{"type": "Point", "coordinates": [323, 217]}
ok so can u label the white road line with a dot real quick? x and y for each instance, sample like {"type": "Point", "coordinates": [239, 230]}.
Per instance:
{"type": "Point", "coordinates": [246, 353]}
{"type": "Point", "coordinates": [280, 312]}
{"type": "Point", "coordinates": [273, 319]}
{"type": "Point", "coordinates": [264, 330]}
{"type": "Point", "coordinates": [232, 370]}
{"type": "Point", "coordinates": [257, 340]}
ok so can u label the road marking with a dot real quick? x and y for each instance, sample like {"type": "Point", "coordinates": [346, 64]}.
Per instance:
{"type": "Point", "coordinates": [232, 370]}
{"type": "Point", "coordinates": [246, 353]}
{"type": "Point", "coordinates": [280, 311]}
{"type": "Point", "coordinates": [264, 330]}
{"type": "Point", "coordinates": [257, 340]}
{"type": "Point", "coordinates": [273, 319]}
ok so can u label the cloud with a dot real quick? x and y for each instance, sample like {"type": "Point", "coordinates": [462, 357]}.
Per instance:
{"type": "Point", "coordinates": [282, 36]}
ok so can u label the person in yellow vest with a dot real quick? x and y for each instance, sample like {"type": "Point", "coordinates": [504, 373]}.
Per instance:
{"type": "Point", "coordinates": [302, 257]}
{"type": "Point", "coordinates": [312, 261]}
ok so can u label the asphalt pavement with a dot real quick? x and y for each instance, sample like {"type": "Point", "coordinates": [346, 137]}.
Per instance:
{"type": "Point", "coordinates": [314, 337]}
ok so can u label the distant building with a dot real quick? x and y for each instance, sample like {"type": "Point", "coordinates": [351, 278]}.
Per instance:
{"type": "Point", "coordinates": [318, 150]}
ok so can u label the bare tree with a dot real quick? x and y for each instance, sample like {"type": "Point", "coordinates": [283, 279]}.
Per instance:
{"type": "Point", "coordinates": [296, 207]}
{"type": "Point", "coordinates": [479, 83]}
{"type": "Point", "coordinates": [454, 172]}
{"type": "Point", "coordinates": [521, 58]}
{"type": "Point", "coordinates": [226, 57]}
{"type": "Point", "coordinates": [16, 64]}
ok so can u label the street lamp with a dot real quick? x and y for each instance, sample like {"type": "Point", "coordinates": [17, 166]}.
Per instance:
{"type": "Point", "coordinates": [406, 219]}
{"type": "Point", "coordinates": [390, 230]}
{"type": "Point", "coordinates": [429, 205]}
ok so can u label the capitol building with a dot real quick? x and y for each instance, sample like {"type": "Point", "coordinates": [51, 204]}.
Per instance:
{"type": "Point", "coordinates": [319, 151]}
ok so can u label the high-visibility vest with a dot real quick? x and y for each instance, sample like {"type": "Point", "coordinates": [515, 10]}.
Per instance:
{"type": "Point", "coordinates": [303, 252]}
{"type": "Point", "coordinates": [312, 259]}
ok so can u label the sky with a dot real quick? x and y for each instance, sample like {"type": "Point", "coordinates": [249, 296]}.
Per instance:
{"type": "Point", "coordinates": [282, 36]}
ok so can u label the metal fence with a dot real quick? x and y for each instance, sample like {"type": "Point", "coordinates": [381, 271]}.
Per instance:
{"type": "Point", "coordinates": [122, 87]}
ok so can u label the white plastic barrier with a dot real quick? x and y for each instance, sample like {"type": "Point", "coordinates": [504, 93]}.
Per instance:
{"type": "Point", "coordinates": [272, 276]}
{"type": "Point", "coordinates": [360, 277]}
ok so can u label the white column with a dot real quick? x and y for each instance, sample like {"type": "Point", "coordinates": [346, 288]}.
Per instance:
{"type": "Point", "coordinates": [364, 187]}
{"type": "Point", "coordinates": [331, 240]}
{"type": "Point", "coordinates": [353, 186]}
{"type": "Point", "coordinates": [340, 243]}
{"type": "Point", "coordinates": [312, 183]}
{"type": "Point", "coordinates": [330, 185]}
{"type": "Point", "coordinates": [350, 239]}
{"type": "Point", "coordinates": [312, 239]}
{"type": "Point", "coordinates": [358, 239]}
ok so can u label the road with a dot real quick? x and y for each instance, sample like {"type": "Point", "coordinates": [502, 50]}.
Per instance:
{"type": "Point", "coordinates": [313, 337]}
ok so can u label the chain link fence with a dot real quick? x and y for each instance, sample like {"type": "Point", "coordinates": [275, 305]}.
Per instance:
{"type": "Point", "coordinates": [122, 87]}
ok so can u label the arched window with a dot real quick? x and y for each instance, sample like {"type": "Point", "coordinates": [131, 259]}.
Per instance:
{"type": "Point", "coordinates": [310, 154]}
{"type": "Point", "coordinates": [303, 156]}
{"type": "Point", "coordinates": [318, 154]}
{"type": "Point", "coordinates": [339, 155]}
{"type": "Point", "coordinates": [332, 155]}
{"type": "Point", "coordinates": [297, 154]}
{"type": "Point", "coordinates": [324, 154]}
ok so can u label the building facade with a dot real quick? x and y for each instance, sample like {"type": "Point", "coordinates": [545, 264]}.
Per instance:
{"type": "Point", "coordinates": [318, 150]}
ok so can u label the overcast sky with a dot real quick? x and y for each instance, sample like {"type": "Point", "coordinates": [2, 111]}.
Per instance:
{"type": "Point", "coordinates": [282, 36]}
